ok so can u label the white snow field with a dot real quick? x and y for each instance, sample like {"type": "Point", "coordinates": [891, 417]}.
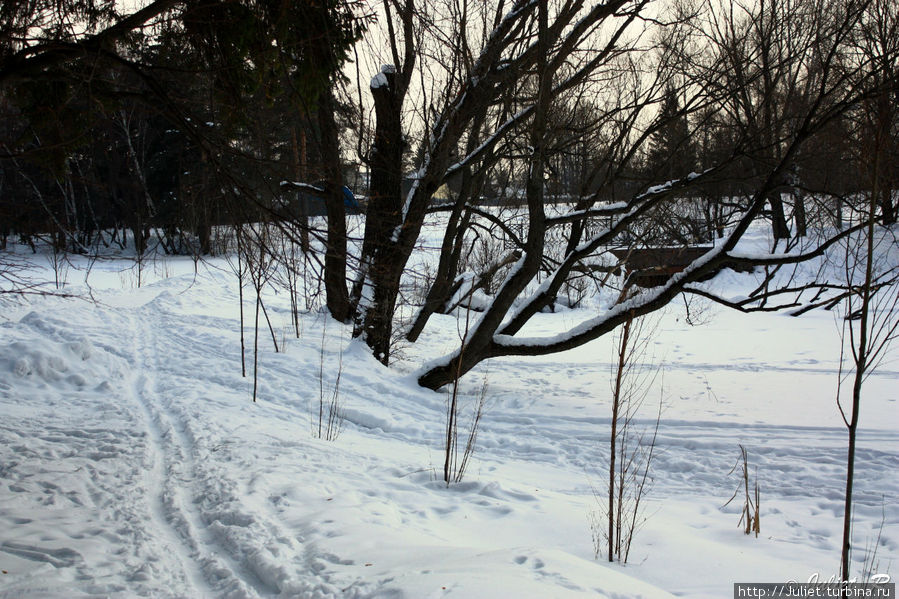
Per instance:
{"type": "Point", "coordinates": [133, 461]}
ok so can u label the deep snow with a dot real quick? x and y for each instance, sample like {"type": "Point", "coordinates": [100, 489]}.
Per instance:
{"type": "Point", "coordinates": [134, 463]}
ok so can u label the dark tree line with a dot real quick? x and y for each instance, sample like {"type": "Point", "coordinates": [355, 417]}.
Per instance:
{"type": "Point", "coordinates": [167, 121]}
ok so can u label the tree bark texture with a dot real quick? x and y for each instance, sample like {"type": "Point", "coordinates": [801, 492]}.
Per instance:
{"type": "Point", "coordinates": [378, 286]}
{"type": "Point", "coordinates": [338, 301]}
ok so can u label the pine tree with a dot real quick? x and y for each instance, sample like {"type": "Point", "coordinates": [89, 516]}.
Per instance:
{"type": "Point", "coordinates": [672, 153]}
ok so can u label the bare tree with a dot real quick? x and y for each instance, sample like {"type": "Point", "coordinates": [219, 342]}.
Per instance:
{"type": "Point", "coordinates": [828, 92]}
{"type": "Point", "coordinates": [631, 450]}
{"type": "Point", "coordinates": [870, 325]}
{"type": "Point", "coordinates": [877, 117]}
{"type": "Point", "coordinates": [508, 58]}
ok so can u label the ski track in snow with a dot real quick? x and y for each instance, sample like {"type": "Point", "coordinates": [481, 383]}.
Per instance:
{"type": "Point", "coordinates": [183, 523]}
{"type": "Point", "coordinates": [693, 458]}
{"type": "Point", "coordinates": [80, 474]}
{"type": "Point", "coordinates": [171, 475]}
{"type": "Point", "coordinates": [240, 551]}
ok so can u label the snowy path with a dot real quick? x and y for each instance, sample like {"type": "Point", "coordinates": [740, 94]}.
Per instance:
{"type": "Point", "coordinates": [170, 480]}
{"type": "Point", "coordinates": [77, 445]}
{"type": "Point", "coordinates": [228, 549]}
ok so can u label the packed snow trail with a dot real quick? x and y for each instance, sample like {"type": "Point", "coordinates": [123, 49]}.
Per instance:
{"type": "Point", "coordinates": [136, 477]}
{"type": "Point", "coordinates": [170, 480]}
{"type": "Point", "coordinates": [76, 444]}
{"type": "Point", "coordinates": [240, 550]}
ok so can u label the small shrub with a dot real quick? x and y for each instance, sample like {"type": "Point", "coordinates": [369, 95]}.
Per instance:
{"type": "Point", "coordinates": [749, 515]}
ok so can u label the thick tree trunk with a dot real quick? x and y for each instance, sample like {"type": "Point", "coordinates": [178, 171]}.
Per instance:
{"type": "Point", "coordinates": [335, 250]}
{"type": "Point", "coordinates": [378, 286]}
{"type": "Point", "coordinates": [204, 236]}
{"type": "Point", "coordinates": [799, 216]}
{"type": "Point", "coordinates": [779, 227]}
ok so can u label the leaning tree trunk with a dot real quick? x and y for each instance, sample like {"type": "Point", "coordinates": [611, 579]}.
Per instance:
{"type": "Point", "coordinates": [549, 292]}
{"type": "Point", "coordinates": [479, 342]}
{"type": "Point", "coordinates": [443, 287]}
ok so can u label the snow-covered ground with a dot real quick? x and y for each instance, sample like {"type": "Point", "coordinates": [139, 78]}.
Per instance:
{"type": "Point", "coordinates": [133, 461]}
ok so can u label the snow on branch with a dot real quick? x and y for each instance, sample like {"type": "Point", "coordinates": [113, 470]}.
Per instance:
{"type": "Point", "coordinates": [767, 259]}
{"type": "Point", "coordinates": [644, 303]}
{"type": "Point", "coordinates": [299, 186]}
{"type": "Point", "coordinates": [382, 79]}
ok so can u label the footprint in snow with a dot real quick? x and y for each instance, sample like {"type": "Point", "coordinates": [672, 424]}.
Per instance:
{"type": "Point", "coordinates": [537, 564]}
{"type": "Point", "coordinates": [58, 558]}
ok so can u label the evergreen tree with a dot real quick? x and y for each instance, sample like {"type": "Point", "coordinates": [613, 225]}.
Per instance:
{"type": "Point", "coordinates": [672, 152]}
